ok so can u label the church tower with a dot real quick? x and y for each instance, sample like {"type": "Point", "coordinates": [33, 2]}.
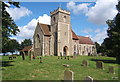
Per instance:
{"type": "Point", "coordinates": [61, 32]}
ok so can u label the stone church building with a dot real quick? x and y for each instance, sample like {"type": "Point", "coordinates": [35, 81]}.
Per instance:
{"type": "Point", "coordinates": [59, 39]}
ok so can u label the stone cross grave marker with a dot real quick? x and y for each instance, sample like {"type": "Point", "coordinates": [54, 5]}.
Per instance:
{"type": "Point", "coordinates": [85, 63]}
{"type": "Point", "coordinates": [88, 79]}
{"type": "Point", "coordinates": [99, 64]}
{"type": "Point", "coordinates": [111, 70]}
{"type": "Point", "coordinates": [68, 76]}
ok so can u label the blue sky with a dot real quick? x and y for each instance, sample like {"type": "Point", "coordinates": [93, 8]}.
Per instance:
{"type": "Point", "coordinates": [87, 18]}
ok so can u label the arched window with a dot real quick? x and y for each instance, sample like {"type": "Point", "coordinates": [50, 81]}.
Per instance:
{"type": "Point", "coordinates": [74, 49]}
{"type": "Point", "coordinates": [84, 48]}
{"type": "Point", "coordinates": [37, 41]}
{"type": "Point", "coordinates": [80, 49]}
{"type": "Point", "coordinates": [64, 18]}
{"type": "Point", "coordinates": [54, 19]}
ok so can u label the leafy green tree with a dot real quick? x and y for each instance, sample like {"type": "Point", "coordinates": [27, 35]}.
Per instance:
{"type": "Point", "coordinates": [97, 47]}
{"type": "Point", "coordinates": [26, 42]}
{"type": "Point", "coordinates": [8, 25]}
{"type": "Point", "coordinates": [112, 43]}
{"type": "Point", "coordinates": [13, 45]}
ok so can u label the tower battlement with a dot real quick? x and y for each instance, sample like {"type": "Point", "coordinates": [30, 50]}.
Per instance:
{"type": "Point", "coordinates": [60, 10]}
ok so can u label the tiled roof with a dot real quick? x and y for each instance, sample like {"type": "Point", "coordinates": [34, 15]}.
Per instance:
{"type": "Point", "coordinates": [85, 40]}
{"type": "Point", "coordinates": [27, 48]}
{"type": "Point", "coordinates": [45, 28]}
{"type": "Point", "coordinates": [74, 36]}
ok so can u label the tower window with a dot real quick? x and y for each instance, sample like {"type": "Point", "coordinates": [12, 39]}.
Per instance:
{"type": "Point", "coordinates": [54, 18]}
{"type": "Point", "coordinates": [64, 18]}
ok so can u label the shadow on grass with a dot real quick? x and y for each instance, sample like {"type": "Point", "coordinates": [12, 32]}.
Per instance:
{"type": "Point", "coordinates": [6, 63]}
{"type": "Point", "coordinates": [105, 61]}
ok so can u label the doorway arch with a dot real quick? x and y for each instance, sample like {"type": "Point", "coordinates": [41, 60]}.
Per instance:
{"type": "Point", "coordinates": [65, 51]}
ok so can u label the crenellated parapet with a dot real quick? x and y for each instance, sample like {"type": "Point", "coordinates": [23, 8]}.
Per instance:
{"type": "Point", "coordinates": [59, 10]}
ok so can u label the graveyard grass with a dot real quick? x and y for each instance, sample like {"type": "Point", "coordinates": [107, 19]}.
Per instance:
{"type": "Point", "coordinates": [52, 68]}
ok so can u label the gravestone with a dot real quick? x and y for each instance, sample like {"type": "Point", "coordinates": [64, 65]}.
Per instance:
{"type": "Point", "coordinates": [99, 64]}
{"type": "Point", "coordinates": [65, 57]}
{"type": "Point", "coordinates": [40, 59]}
{"type": "Point", "coordinates": [58, 57]}
{"type": "Point", "coordinates": [88, 79]}
{"type": "Point", "coordinates": [23, 56]}
{"type": "Point", "coordinates": [68, 58]}
{"type": "Point", "coordinates": [30, 55]}
{"type": "Point", "coordinates": [85, 63]}
{"type": "Point", "coordinates": [68, 76]}
{"type": "Point", "coordinates": [111, 70]}
{"type": "Point", "coordinates": [61, 56]}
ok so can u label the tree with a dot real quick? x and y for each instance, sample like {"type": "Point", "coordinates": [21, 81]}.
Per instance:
{"type": "Point", "coordinates": [97, 47]}
{"type": "Point", "coordinates": [26, 42]}
{"type": "Point", "coordinates": [112, 43]}
{"type": "Point", "coordinates": [8, 25]}
{"type": "Point", "coordinates": [13, 45]}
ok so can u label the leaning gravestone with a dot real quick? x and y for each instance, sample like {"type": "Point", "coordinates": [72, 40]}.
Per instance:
{"type": "Point", "coordinates": [111, 70]}
{"type": "Point", "coordinates": [99, 64]}
{"type": "Point", "coordinates": [88, 79]}
{"type": "Point", "coordinates": [23, 56]}
{"type": "Point", "coordinates": [68, 76]}
{"type": "Point", "coordinates": [85, 63]}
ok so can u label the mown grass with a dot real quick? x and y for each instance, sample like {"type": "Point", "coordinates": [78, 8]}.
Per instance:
{"type": "Point", "coordinates": [52, 68]}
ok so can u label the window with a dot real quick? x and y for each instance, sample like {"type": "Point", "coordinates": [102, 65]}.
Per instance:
{"type": "Point", "coordinates": [74, 49]}
{"type": "Point", "coordinates": [37, 41]}
{"type": "Point", "coordinates": [64, 18]}
{"type": "Point", "coordinates": [54, 19]}
{"type": "Point", "coordinates": [84, 48]}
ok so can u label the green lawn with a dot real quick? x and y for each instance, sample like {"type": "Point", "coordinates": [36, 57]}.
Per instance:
{"type": "Point", "coordinates": [52, 68]}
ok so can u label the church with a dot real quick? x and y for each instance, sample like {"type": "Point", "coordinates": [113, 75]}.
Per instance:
{"type": "Point", "coordinates": [59, 39]}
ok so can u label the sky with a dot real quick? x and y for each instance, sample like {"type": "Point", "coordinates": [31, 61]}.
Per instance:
{"type": "Point", "coordinates": [87, 18]}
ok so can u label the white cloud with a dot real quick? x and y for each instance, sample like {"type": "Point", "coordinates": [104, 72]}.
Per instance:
{"type": "Point", "coordinates": [17, 13]}
{"type": "Point", "coordinates": [97, 30]}
{"type": "Point", "coordinates": [100, 36]}
{"type": "Point", "coordinates": [102, 11]}
{"type": "Point", "coordinates": [77, 8]}
{"type": "Point", "coordinates": [87, 30]}
{"type": "Point", "coordinates": [99, 13]}
{"type": "Point", "coordinates": [97, 35]}
{"type": "Point", "coordinates": [27, 31]}
{"type": "Point", "coordinates": [44, 19]}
